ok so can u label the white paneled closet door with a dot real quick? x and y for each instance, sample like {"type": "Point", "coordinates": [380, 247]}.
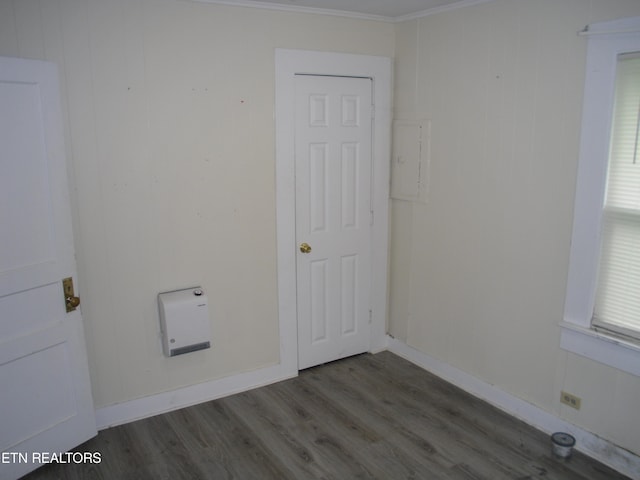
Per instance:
{"type": "Point", "coordinates": [333, 159]}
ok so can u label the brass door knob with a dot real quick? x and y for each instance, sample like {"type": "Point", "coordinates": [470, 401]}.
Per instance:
{"type": "Point", "coordinates": [305, 248]}
{"type": "Point", "coordinates": [72, 303]}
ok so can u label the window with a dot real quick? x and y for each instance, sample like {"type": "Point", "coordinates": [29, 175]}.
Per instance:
{"type": "Point", "coordinates": [602, 306]}
{"type": "Point", "coordinates": [617, 304]}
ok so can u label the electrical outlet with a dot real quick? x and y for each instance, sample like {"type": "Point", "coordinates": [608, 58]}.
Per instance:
{"type": "Point", "coordinates": [571, 400]}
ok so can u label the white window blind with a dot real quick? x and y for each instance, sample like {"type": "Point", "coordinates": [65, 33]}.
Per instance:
{"type": "Point", "coordinates": [617, 305]}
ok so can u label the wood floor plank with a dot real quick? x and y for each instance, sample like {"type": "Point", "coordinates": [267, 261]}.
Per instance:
{"type": "Point", "coordinates": [369, 416]}
{"type": "Point", "coordinates": [322, 430]}
{"type": "Point", "coordinates": [237, 445]}
{"type": "Point", "coordinates": [360, 410]}
{"type": "Point", "coordinates": [406, 411]}
{"type": "Point", "coordinates": [446, 425]}
{"type": "Point", "coordinates": [279, 429]}
{"type": "Point", "coordinates": [497, 431]}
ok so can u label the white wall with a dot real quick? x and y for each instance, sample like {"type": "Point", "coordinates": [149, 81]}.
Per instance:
{"type": "Point", "coordinates": [478, 273]}
{"type": "Point", "coordinates": [170, 133]}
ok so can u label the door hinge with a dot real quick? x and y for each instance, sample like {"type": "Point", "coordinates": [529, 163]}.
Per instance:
{"type": "Point", "coordinates": [370, 316]}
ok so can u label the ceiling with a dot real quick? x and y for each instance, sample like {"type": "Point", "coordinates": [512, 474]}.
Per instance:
{"type": "Point", "coordinates": [389, 10]}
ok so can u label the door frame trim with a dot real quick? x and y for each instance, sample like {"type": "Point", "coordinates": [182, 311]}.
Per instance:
{"type": "Point", "coordinates": [288, 63]}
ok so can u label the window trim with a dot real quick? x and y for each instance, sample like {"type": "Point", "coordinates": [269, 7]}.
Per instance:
{"type": "Point", "coordinates": [606, 41]}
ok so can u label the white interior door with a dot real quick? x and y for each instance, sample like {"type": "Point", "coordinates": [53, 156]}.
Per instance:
{"type": "Point", "coordinates": [45, 398]}
{"type": "Point", "coordinates": [333, 216]}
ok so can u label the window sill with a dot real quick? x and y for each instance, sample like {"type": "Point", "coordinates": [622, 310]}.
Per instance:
{"type": "Point", "coordinates": [603, 348]}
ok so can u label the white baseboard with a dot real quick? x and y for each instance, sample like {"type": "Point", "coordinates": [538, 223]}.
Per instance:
{"type": "Point", "coordinates": [137, 409]}
{"type": "Point", "coordinates": [598, 448]}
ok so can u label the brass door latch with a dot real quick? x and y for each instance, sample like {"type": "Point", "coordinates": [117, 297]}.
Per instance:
{"type": "Point", "coordinates": [70, 299]}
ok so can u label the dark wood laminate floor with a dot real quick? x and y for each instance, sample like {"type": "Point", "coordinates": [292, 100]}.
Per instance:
{"type": "Point", "coordinates": [370, 416]}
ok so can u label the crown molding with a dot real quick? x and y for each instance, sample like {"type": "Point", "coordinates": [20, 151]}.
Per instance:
{"type": "Point", "coordinates": [440, 9]}
{"type": "Point", "coordinates": [298, 9]}
{"type": "Point", "coordinates": [343, 13]}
